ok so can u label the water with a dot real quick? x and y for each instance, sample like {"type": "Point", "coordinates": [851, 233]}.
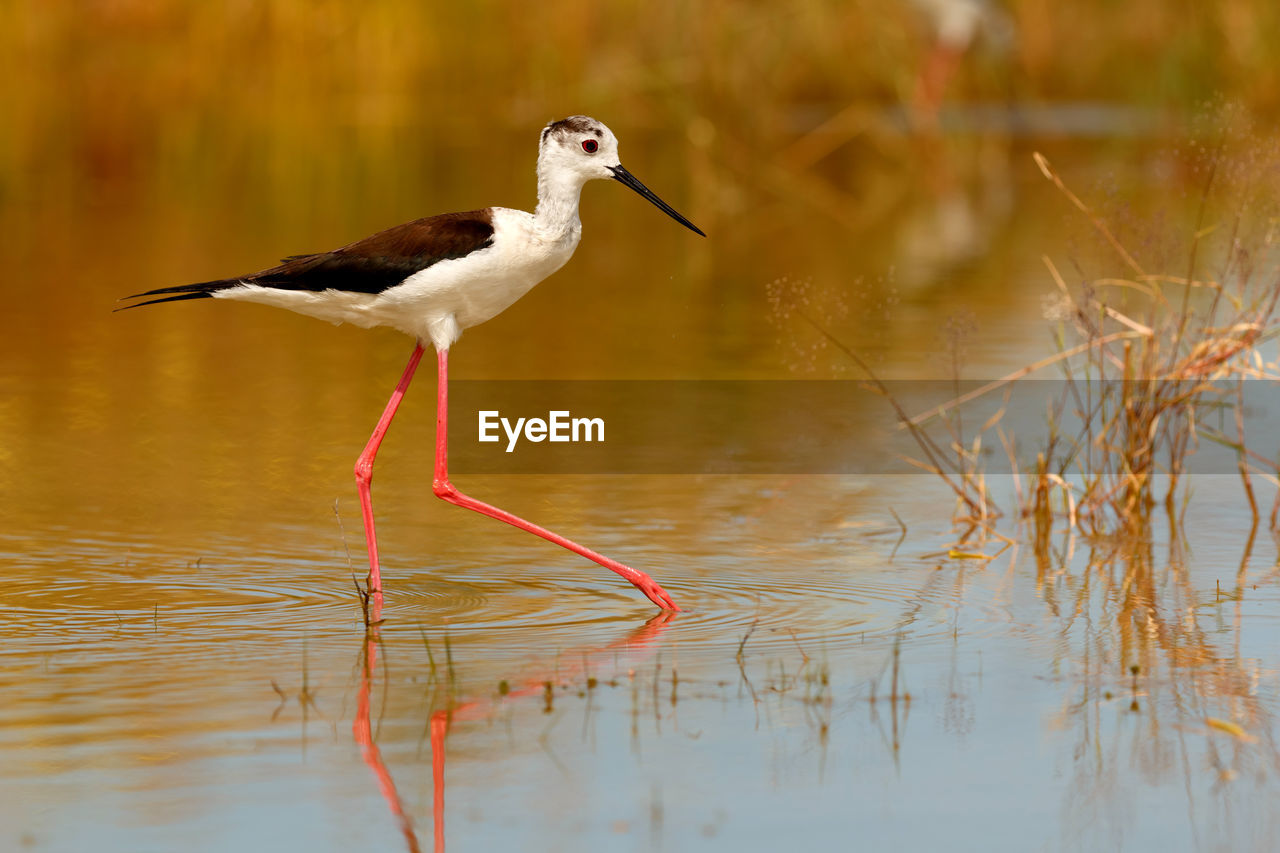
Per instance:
{"type": "Point", "coordinates": [171, 704]}
{"type": "Point", "coordinates": [184, 657]}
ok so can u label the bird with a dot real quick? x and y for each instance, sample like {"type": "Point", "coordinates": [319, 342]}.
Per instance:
{"type": "Point", "coordinates": [957, 24]}
{"type": "Point", "coordinates": [434, 277]}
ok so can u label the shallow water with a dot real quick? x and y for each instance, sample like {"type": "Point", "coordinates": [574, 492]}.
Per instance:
{"type": "Point", "coordinates": [166, 704]}
{"type": "Point", "coordinates": [185, 660]}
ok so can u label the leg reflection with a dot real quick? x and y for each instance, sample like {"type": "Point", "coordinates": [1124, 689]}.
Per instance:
{"type": "Point", "coordinates": [638, 642]}
{"type": "Point", "coordinates": [362, 728]}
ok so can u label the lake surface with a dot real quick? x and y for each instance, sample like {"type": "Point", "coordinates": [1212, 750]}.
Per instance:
{"type": "Point", "coordinates": [185, 661]}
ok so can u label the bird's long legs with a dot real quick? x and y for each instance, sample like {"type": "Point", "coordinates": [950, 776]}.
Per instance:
{"type": "Point", "coordinates": [445, 490]}
{"type": "Point", "coordinates": [364, 468]}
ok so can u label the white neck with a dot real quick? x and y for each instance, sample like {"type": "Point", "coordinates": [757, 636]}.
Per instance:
{"type": "Point", "coordinates": [557, 211]}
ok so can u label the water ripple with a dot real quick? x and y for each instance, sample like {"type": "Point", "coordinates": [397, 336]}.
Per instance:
{"type": "Point", "coordinates": [811, 595]}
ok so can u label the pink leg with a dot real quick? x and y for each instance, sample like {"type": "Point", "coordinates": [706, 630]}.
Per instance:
{"type": "Point", "coordinates": [444, 489]}
{"type": "Point", "coordinates": [364, 468]}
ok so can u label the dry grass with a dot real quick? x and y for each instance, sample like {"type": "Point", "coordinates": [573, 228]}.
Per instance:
{"type": "Point", "coordinates": [1155, 352]}
{"type": "Point", "coordinates": [1155, 363]}
{"type": "Point", "coordinates": [1152, 364]}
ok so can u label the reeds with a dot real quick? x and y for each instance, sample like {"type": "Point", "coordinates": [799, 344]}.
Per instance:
{"type": "Point", "coordinates": [1155, 363]}
{"type": "Point", "coordinates": [1152, 364]}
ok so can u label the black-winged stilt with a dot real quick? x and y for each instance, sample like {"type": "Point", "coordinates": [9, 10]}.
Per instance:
{"type": "Point", "coordinates": [957, 25]}
{"type": "Point", "coordinates": [432, 278]}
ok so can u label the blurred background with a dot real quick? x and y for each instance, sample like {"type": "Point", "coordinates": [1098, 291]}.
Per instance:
{"type": "Point", "coordinates": [859, 143]}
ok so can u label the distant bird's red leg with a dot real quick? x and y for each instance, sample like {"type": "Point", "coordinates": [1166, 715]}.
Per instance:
{"type": "Point", "coordinates": [364, 468]}
{"type": "Point", "coordinates": [444, 489]}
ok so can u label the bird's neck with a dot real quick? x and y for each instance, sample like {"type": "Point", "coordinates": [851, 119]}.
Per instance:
{"type": "Point", "coordinates": [557, 212]}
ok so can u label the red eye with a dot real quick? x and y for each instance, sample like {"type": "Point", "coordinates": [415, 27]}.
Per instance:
{"type": "Point", "coordinates": [590, 146]}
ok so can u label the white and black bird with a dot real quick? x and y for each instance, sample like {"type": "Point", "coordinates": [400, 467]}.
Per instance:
{"type": "Point", "coordinates": [434, 277]}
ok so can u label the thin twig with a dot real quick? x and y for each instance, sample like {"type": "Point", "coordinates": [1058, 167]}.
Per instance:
{"type": "Point", "coordinates": [1048, 172]}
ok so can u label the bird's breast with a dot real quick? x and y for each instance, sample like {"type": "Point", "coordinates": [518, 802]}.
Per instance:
{"type": "Point", "coordinates": [481, 285]}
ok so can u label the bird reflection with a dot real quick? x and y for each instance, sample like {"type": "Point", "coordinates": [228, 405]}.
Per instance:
{"type": "Point", "coordinates": [529, 684]}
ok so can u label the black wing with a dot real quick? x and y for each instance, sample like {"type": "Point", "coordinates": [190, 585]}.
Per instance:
{"type": "Point", "coordinates": [371, 265]}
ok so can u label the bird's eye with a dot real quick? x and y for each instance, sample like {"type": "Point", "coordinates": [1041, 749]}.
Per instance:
{"type": "Point", "coordinates": [590, 146]}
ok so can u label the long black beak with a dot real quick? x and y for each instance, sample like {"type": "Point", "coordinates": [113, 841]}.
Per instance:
{"type": "Point", "coordinates": [623, 176]}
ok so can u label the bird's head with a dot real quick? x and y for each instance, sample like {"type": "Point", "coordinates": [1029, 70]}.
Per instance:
{"type": "Point", "coordinates": [581, 149]}
{"type": "Point", "coordinates": [579, 146]}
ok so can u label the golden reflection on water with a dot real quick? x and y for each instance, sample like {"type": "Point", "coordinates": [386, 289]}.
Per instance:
{"type": "Point", "coordinates": [174, 664]}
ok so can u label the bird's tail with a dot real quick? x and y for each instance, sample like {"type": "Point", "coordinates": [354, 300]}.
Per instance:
{"type": "Point", "coordinates": [200, 290]}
